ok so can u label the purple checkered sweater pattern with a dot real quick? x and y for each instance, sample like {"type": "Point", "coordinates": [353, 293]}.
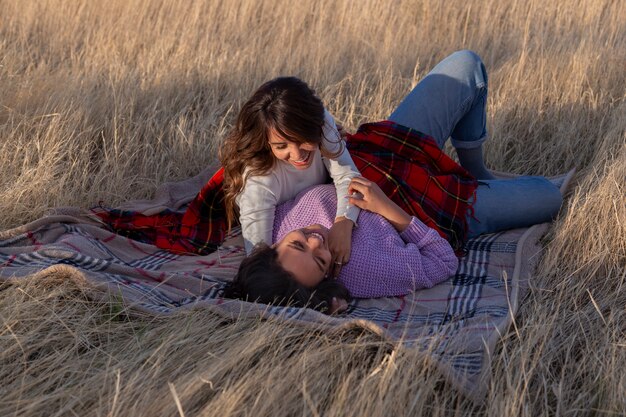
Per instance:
{"type": "Point", "coordinates": [383, 262]}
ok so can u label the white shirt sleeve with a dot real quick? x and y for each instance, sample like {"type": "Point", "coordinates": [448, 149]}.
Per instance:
{"type": "Point", "coordinates": [257, 203]}
{"type": "Point", "coordinates": [341, 168]}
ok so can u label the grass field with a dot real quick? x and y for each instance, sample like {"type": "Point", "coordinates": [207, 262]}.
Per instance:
{"type": "Point", "coordinates": [106, 100]}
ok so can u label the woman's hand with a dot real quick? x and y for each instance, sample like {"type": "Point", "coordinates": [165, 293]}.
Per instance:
{"type": "Point", "coordinates": [367, 195]}
{"type": "Point", "coordinates": [339, 244]}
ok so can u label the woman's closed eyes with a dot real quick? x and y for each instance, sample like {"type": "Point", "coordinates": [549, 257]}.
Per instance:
{"type": "Point", "coordinates": [321, 262]}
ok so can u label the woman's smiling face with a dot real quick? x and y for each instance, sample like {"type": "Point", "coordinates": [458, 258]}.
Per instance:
{"type": "Point", "coordinates": [299, 155]}
{"type": "Point", "coordinates": [304, 253]}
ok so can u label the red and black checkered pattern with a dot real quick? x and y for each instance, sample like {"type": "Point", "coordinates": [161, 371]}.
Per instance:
{"type": "Point", "coordinates": [198, 230]}
{"type": "Point", "coordinates": [411, 169]}
{"type": "Point", "coordinates": [407, 165]}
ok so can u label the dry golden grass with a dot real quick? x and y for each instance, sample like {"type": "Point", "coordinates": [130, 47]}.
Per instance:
{"type": "Point", "coordinates": [105, 100]}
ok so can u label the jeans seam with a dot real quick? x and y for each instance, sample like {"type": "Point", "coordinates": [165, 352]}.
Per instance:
{"type": "Point", "coordinates": [482, 87]}
{"type": "Point", "coordinates": [460, 110]}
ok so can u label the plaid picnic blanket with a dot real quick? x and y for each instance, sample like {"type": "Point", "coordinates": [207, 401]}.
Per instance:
{"type": "Point", "coordinates": [456, 323]}
{"type": "Point", "coordinates": [407, 165]}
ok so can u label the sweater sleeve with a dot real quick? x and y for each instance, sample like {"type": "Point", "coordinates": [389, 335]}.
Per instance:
{"type": "Point", "coordinates": [257, 203]}
{"type": "Point", "coordinates": [341, 168]}
{"type": "Point", "coordinates": [385, 263]}
{"type": "Point", "coordinates": [437, 260]}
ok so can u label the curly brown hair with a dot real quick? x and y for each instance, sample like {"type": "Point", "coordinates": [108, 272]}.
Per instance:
{"type": "Point", "coordinates": [286, 105]}
{"type": "Point", "coordinates": [261, 278]}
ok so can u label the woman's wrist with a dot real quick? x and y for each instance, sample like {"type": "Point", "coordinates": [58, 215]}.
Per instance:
{"type": "Point", "coordinates": [340, 219]}
{"type": "Point", "coordinates": [395, 215]}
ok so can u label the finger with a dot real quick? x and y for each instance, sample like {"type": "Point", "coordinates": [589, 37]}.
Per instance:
{"type": "Point", "coordinates": [356, 202]}
{"type": "Point", "coordinates": [356, 195]}
{"type": "Point", "coordinates": [357, 186]}
{"type": "Point", "coordinates": [341, 258]}
{"type": "Point", "coordinates": [331, 269]}
{"type": "Point", "coordinates": [361, 180]}
{"type": "Point", "coordinates": [337, 269]}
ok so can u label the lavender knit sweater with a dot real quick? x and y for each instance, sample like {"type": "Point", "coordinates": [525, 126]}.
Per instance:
{"type": "Point", "coordinates": [383, 262]}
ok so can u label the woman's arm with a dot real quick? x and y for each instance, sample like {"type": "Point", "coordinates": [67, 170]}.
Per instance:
{"type": "Point", "coordinates": [257, 204]}
{"type": "Point", "coordinates": [342, 169]}
{"type": "Point", "coordinates": [420, 259]}
{"type": "Point", "coordinates": [388, 264]}
{"type": "Point", "coordinates": [395, 267]}
{"type": "Point", "coordinates": [367, 195]}
{"type": "Point", "coordinates": [438, 259]}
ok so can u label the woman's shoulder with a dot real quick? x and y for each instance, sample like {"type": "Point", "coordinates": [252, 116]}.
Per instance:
{"type": "Point", "coordinates": [329, 119]}
{"type": "Point", "coordinates": [330, 126]}
{"type": "Point", "coordinates": [260, 184]}
{"type": "Point", "coordinates": [331, 137]}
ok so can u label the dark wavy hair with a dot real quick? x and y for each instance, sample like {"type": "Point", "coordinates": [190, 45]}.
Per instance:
{"type": "Point", "coordinates": [288, 106]}
{"type": "Point", "coordinates": [262, 279]}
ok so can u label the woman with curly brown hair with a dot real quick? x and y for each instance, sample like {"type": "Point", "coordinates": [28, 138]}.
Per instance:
{"type": "Point", "coordinates": [283, 142]}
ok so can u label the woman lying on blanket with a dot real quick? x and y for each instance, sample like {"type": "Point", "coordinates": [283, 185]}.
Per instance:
{"type": "Point", "coordinates": [406, 241]}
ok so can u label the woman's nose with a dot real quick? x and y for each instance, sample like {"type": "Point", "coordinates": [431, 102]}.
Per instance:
{"type": "Point", "coordinates": [315, 243]}
{"type": "Point", "coordinates": [308, 147]}
{"type": "Point", "coordinates": [295, 152]}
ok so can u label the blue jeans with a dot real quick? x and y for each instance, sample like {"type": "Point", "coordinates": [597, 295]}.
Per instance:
{"type": "Point", "coordinates": [450, 102]}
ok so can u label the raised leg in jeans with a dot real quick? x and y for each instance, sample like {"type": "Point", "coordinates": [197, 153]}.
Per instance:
{"type": "Point", "coordinates": [450, 102]}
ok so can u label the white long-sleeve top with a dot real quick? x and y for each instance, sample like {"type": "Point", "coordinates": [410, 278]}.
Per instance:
{"type": "Point", "coordinates": [262, 193]}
